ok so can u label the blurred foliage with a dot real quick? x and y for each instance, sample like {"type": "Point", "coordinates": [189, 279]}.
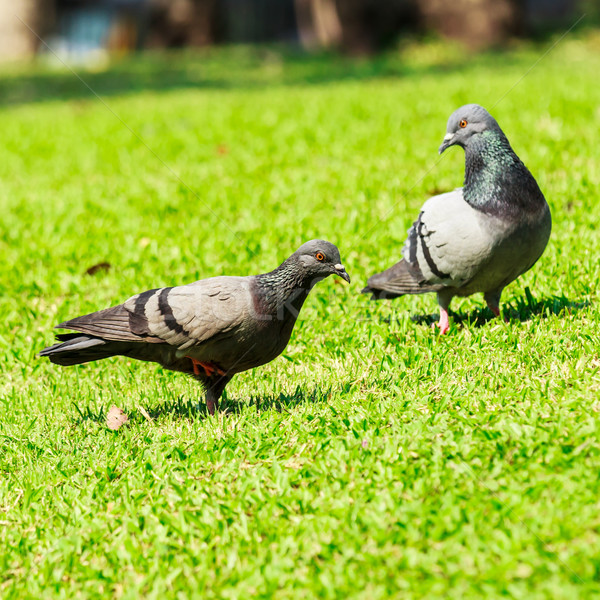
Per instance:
{"type": "Point", "coordinates": [257, 66]}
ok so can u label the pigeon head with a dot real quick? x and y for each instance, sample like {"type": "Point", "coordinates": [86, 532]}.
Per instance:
{"type": "Point", "coordinates": [465, 123]}
{"type": "Point", "coordinates": [319, 259]}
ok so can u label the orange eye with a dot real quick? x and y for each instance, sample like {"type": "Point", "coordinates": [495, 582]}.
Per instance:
{"type": "Point", "coordinates": [463, 123]}
{"type": "Point", "coordinates": [320, 256]}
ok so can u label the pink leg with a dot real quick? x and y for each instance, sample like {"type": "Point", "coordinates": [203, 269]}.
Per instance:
{"type": "Point", "coordinates": [444, 324]}
{"type": "Point", "coordinates": [494, 309]}
{"type": "Point", "coordinates": [444, 298]}
{"type": "Point", "coordinates": [492, 299]}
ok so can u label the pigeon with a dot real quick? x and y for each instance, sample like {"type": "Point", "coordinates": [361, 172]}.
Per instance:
{"type": "Point", "coordinates": [478, 238]}
{"type": "Point", "coordinates": [210, 329]}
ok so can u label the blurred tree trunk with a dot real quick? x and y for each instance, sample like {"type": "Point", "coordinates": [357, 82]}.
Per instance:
{"type": "Point", "coordinates": [318, 23]}
{"type": "Point", "coordinates": [202, 26]}
{"type": "Point", "coordinates": [177, 23]}
{"type": "Point", "coordinates": [478, 23]}
{"type": "Point", "coordinates": [355, 26]}
{"type": "Point", "coordinates": [20, 21]}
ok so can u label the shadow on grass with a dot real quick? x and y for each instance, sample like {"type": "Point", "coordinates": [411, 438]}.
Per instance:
{"type": "Point", "coordinates": [221, 68]}
{"type": "Point", "coordinates": [523, 308]}
{"type": "Point", "coordinates": [280, 403]}
{"type": "Point", "coordinates": [195, 409]}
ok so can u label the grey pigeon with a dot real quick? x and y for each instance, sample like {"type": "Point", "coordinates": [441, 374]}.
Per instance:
{"type": "Point", "coordinates": [477, 238]}
{"type": "Point", "coordinates": [211, 329]}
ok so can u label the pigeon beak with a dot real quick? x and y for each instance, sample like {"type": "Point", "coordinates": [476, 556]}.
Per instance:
{"type": "Point", "coordinates": [446, 142]}
{"type": "Point", "coordinates": [339, 270]}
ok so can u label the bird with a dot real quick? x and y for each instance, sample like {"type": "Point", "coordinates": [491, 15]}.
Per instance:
{"type": "Point", "coordinates": [478, 238]}
{"type": "Point", "coordinates": [210, 329]}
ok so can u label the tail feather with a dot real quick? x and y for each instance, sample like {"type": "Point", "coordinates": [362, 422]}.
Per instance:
{"type": "Point", "coordinates": [78, 348]}
{"type": "Point", "coordinates": [397, 281]}
{"type": "Point", "coordinates": [75, 349]}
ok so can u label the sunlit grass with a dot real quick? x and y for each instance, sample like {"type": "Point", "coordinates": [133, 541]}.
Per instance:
{"type": "Point", "coordinates": [374, 459]}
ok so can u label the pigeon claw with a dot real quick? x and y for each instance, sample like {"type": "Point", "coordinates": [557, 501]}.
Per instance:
{"type": "Point", "coordinates": [209, 368]}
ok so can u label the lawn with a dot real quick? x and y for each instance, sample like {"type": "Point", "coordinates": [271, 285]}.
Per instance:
{"type": "Point", "coordinates": [375, 458]}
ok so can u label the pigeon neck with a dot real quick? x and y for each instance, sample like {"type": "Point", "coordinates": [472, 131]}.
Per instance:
{"type": "Point", "coordinates": [496, 181]}
{"type": "Point", "coordinates": [284, 290]}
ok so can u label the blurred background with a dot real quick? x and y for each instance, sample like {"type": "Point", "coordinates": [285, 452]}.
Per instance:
{"type": "Point", "coordinates": [80, 31]}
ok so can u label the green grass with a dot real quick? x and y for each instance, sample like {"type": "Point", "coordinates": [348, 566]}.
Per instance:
{"type": "Point", "coordinates": [375, 458]}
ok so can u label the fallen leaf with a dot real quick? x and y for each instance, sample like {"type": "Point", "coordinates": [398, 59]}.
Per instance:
{"type": "Point", "coordinates": [101, 266]}
{"type": "Point", "coordinates": [115, 418]}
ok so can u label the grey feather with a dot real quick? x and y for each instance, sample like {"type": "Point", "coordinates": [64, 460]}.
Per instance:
{"type": "Point", "coordinates": [478, 238]}
{"type": "Point", "coordinates": [229, 323]}
{"type": "Point", "coordinates": [396, 281]}
{"type": "Point", "coordinates": [75, 349]}
{"type": "Point", "coordinates": [110, 324]}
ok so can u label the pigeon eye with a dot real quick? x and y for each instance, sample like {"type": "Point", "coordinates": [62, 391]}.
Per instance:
{"type": "Point", "coordinates": [463, 123]}
{"type": "Point", "coordinates": [320, 256]}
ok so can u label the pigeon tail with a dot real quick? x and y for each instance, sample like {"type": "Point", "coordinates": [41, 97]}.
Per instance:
{"type": "Point", "coordinates": [75, 349]}
{"type": "Point", "coordinates": [395, 282]}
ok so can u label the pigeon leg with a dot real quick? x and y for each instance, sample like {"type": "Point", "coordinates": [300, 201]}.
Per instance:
{"type": "Point", "coordinates": [444, 302]}
{"type": "Point", "coordinates": [211, 403]}
{"type": "Point", "coordinates": [444, 323]}
{"type": "Point", "coordinates": [493, 301]}
{"type": "Point", "coordinates": [495, 310]}
{"type": "Point", "coordinates": [214, 389]}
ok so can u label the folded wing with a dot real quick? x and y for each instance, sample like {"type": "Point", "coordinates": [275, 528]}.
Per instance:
{"type": "Point", "coordinates": [448, 243]}
{"type": "Point", "coordinates": [181, 316]}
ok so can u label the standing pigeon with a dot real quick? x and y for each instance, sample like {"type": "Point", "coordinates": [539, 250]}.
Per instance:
{"type": "Point", "coordinates": [477, 238]}
{"type": "Point", "coordinates": [211, 329]}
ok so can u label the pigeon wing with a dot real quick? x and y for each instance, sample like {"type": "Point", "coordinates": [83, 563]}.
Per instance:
{"type": "Point", "coordinates": [111, 324]}
{"type": "Point", "coordinates": [449, 242]}
{"type": "Point", "coordinates": [181, 316]}
{"type": "Point", "coordinates": [189, 315]}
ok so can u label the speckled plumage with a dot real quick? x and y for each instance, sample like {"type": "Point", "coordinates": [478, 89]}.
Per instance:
{"type": "Point", "coordinates": [478, 238]}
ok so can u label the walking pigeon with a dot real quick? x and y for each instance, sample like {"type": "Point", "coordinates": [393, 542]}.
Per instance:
{"type": "Point", "coordinates": [211, 329]}
{"type": "Point", "coordinates": [477, 238]}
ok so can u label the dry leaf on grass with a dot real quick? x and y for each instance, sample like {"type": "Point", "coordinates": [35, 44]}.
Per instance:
{"type": "Point", "coordinates": [115, 418]}
{"type": "Point", "coordinates": [102, 266]}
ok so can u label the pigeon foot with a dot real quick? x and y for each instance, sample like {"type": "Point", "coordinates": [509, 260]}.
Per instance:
{"type": "Point", "coordinates": [444, 323]}
{"type": "Point", "coordinates": [209, 368]}
{"type": "Point", "coordinates": [211, 406]}
{"type": "Point", "coordinates": [496, 310]}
